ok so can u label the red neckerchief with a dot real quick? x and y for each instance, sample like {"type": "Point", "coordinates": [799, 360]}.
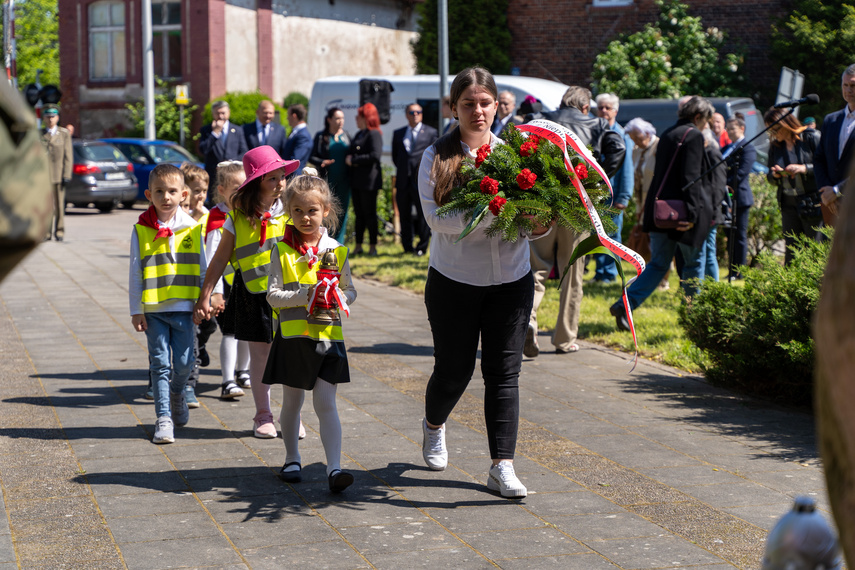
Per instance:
{"type": "Point", "coordinates": [149, 220]}
{"type": "Point", "coordinates": [265, 217]}
{"type": "Point", "coordinates": [292, 238]}
{"type": "Point", "coordinates": [216, 219]}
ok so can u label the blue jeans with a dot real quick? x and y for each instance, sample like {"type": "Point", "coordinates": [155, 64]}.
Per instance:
{"type": "Point", "coordinates": [662, 251]}
{"type": "Point", "coordinates": [174, 333]}
{"type": "Point", "coordinates": [710, 257]}
{"type": "Point", "coordinates": [606, 269]}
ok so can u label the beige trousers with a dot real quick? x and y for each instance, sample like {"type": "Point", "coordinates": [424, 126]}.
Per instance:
{"type": "Point", "coordinates": [58, 222]}
{"type": "Point", "coordinates": [559, 244]}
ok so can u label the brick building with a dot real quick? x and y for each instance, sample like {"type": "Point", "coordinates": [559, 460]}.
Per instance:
{"type": "Point", "coordinates": [559, 39]}
{"type": "Point", "coordinates": [215, 46]}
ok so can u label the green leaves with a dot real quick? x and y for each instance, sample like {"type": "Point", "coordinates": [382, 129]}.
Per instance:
{"type": "Point", "coordinates": [167, 115]}
{"type": "Point", "coordinates": [37, 41]}
{"type": "Point", "coordinates": [676, 55]}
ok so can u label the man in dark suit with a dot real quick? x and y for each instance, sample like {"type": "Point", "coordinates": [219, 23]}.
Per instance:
{"type": "Point", "coordinates": [834, 154]}
{"type": "Point", "coordinates": [408, 145]}
{"type": "Point", "coordinates": [505, 113]}
{"type": "Point", "coordinates": [741, 155]}
{"type": "Point", "coordinates": [219, 141]}
{"type": "Point", "coordinates": [299, 143]}
{"type": "Point", "coordinates": [263, 131]}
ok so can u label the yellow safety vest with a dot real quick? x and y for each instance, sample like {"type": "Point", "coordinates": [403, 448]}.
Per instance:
{"type": "Point", "coordinates": [253, 259]}
{"type": "Point", "coordinates": [203, 221]}
{"type": "Point", "coordinates": [295, 322]}
{"type": "Point", "coordinates": [168, 276]}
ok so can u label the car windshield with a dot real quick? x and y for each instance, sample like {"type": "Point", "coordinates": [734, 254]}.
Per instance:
{"type": "Point", "coordinates": [162, 153]}
{"type": "Point", "coordinates": [99, 153]}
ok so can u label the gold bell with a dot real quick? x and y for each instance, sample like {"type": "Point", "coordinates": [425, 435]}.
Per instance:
{"type": "Point", "coordinates": [322, 310]}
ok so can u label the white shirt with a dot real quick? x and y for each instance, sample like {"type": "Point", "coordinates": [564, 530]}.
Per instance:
{"type": "Point", "coordinates": [276, 210]}
{"type": "Point", "coordinates": [297, 129]}
{"type": "Point", "coordinates": [476, 259]}
{"type": "Point", "coordinates": [179, 221]}
{"type": "Point", "coordinates": [846, 129]}
{"type": "Point", "coordinates": [410, 137]}
{"type": "Point", "coordinates": [263, 131]}
{"type": "Point", "coordinates": [224, 134]}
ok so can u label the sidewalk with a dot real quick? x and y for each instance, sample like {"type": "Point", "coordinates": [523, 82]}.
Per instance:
{"type": "Point", "coordinates": [652, 469]}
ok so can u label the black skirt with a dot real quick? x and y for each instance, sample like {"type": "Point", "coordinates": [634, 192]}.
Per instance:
{"type": "Point", "coordinates": [247, 315]}
{"type": "Point", "coordinates": [298, 362]}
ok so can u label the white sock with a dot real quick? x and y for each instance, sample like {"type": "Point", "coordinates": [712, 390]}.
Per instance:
{"type": "Point", "coordinates": [242, 355]}
{"type": "Point", "coordinates": [228, 354]}
{"type": "Point", "coordinates": [289, 420]}
{"type": "Point", "coordinates": [323, 398]}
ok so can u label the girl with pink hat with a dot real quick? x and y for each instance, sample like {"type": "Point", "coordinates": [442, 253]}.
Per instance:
{"type": "Point", "coordinates": [255, 224]}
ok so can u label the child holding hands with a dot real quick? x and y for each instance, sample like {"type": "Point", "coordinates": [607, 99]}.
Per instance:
{"type": "Point", "coordinates": [167, 266]}
{"type": "Point", "coordinates": [308, 353]}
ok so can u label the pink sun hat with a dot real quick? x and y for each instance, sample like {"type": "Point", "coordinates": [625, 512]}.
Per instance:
{"type": "Point", "coordinates": [263, 159]}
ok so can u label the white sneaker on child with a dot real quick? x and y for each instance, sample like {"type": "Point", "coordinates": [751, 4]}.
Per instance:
{"type": "Point", "coordinates": [433, 447]}
{"type": "Point", "coordinates": [504, 480]}
{"type": "Point", "coordinates": [163, 430]}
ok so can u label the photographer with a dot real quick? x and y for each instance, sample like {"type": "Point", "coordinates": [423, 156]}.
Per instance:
{"type": "Point", "coordinates": [791, 170]}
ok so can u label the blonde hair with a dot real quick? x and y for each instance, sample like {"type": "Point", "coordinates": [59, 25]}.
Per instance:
{"type": "Point", "coordinates": [225, 172]}
{"type": "Point", "coordinates": [308, 183]}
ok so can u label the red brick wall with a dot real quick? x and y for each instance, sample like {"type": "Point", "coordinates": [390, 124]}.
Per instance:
{"type": "Point", "coordinates": [559, 39]}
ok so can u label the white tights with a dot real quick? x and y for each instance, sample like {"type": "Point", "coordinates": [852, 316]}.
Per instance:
{"type": "Point", "coordinates": [258, 352]}
{"type": "Point", "coordinates": [234, 355]}
{"type": "Point", "coordinates": [323, 399]}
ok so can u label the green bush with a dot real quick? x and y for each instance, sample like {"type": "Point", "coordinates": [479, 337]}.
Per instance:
{"type": "Point", "coordinates": [243, 107]}
{"type": "Point", "coordinates": [295, 98]}
{"type": "Point", "coordinates": [757, 336]}
{"type": "Point", "coordinates": [764, 218]}
{"type": "Point", "coordinates": [167, 123]}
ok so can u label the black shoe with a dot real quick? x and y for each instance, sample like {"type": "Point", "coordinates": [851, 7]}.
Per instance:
{"type": "Point", "coordinates": [204, 359]}
{"type": "Point", "coordinates": [340, 480]}
{"type": "Point", "coordinates": [619, 313]}
{"type": "Point", "coordinates": [291, 476]}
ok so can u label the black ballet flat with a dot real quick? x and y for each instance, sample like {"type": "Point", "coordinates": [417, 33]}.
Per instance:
{"type": "Point", "coordinates": [291, 476]}
{"type": "Point", "coordinates": [340, 480]}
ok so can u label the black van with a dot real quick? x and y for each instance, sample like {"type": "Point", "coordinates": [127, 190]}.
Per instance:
{"type": "Point", "coordinates": [662, 113]}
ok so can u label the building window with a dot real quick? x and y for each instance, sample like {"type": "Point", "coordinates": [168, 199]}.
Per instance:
{"type": "Point", "coordinates": [609, 3]}
{"type": "Point", "coordinates": [166, 31]}
{"type": "Point", "coordinates": [107, 40]}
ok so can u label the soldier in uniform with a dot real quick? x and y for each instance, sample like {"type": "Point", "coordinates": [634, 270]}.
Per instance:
{"type": "Point", "coordinates": [57, 141]}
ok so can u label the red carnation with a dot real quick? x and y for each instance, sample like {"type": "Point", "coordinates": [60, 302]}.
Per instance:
{"type": "Point", "coordinates": [581, 171]}
{"type": "Point", "coordinates": [534, 138]}
{"type": "Point", "coordinates": [526, 178]}
{"type": "Point", "coordinates": [483, 152]}
{"type": "Point", "coordinates": [496, 205]}
{"type": "Point", "coordinates": [489, 186]}
{"type": "Point", "coordinates": [528, 148]}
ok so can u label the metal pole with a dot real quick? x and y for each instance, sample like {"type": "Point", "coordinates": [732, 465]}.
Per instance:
{"type": "Point", "coordinates": [443, 56]}
{"type": "Point", "coordinates": [9, 43]}
{"type": "Point", "coordinates": [181, 127]}
{"type": "Point", "coordinates": [148, 69]}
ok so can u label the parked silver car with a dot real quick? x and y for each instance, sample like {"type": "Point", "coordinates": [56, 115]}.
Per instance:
{"type": "Point", "coordinates": [102, 176]}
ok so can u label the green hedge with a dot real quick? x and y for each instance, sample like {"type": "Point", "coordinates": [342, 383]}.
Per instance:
{"type": "Point", "coordinates": [758, 335]}
{"type": "Point", "coordinates": [243, 107]}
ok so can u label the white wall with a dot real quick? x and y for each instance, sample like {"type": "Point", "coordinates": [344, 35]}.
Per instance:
{"type": "Point", "coordinates": [241, 48]}
{"type": "Point", "coordinates": [307, 49]}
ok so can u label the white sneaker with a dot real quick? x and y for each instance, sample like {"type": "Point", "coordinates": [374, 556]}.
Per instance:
{"type": "Point", "coordinates": [530, 348]}
{"type": "Point", "coordinates": [503, 479]}
{"type": "Point", "coordinates": [433, 447]}
{"type": "Point", "coordinates": [163, 430]}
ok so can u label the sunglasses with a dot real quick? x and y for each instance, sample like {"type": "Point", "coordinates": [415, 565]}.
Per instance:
{"type": "Point", "coordinates": [414, 112]}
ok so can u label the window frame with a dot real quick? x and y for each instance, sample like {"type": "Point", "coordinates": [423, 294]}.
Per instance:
{"type": "Point", "coordinates": [164, 30]}
{"type": "Point", "coordinates": [110, 31]}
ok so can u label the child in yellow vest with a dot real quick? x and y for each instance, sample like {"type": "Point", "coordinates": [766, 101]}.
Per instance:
{"type": "Point", "coordinates": [251, 230]}
{"type": "Point", "coordinates": [308, 351]}
{"type": "Point", "coordinates": [166, 269]}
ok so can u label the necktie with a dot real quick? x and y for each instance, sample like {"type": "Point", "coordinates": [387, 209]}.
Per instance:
{"type": "Point", "coordinates": [262, 135]}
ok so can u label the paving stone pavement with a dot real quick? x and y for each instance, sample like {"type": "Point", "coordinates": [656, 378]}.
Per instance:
{"type": "Point", "coordinates": [653, 469]}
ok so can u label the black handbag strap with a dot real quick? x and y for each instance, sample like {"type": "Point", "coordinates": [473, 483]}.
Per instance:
{"type": "Point", "coordinates": [673, 158]}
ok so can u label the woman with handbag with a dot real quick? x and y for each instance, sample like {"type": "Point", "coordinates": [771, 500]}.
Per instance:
{"type": "Point", "coordinates": [791, 170]}
{"type": "Point", "coordinates": [678, 215]}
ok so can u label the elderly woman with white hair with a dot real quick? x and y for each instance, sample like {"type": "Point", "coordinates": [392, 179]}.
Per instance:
{"type": "Point", "coordinates": [643, 134]}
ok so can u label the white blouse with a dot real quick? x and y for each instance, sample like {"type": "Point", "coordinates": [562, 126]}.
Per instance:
{"type": "Point", "coordinates": [476, 259]}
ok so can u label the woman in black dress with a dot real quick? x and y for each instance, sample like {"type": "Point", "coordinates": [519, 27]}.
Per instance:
{"type": "Point", "coordinates": [365, 175]}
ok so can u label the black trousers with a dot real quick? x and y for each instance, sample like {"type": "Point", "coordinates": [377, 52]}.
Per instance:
{"type": "Point", "coordinates": [406, 198]}
{"type": "Point", "coordinates": [365, 209]}
{"type": "Point", "coordinates": [459, 315]}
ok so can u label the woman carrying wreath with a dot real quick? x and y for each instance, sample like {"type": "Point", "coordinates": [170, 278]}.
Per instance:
{"type": "Point", "coordinates": [477, 288]}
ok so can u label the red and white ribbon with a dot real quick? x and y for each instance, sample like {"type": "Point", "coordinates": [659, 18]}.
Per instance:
{"type": "Point", "coordinates": [310, 257]}
{"type": "Point", "coordinates": [333, 289]}
{"type": "Point", "coordinates": [562, 138]}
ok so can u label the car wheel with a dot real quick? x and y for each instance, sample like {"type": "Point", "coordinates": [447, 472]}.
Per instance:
{"type": "Point", "coordinates": [129, 204]}
{"type": "Point", "coordinates": [105, 207]}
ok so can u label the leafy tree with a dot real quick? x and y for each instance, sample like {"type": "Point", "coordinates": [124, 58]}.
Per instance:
{"type": "Point", "coordinates": [477, 34]}
{"type": "Point", "coordinates": [37, 40]}
{"type": "Point", "coordinates": [242, 107]}
{"type": "Point", "coordinates": [669, 58]}
{"type": "Point", "coordinates": [166, 116]}
{"type": "Point", "coordinates": [295, 98]}
{"type": "Point", "coordinates": [818, 39]}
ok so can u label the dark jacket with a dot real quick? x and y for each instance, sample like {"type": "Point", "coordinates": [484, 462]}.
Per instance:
{"type": "Point", "coordinates": [407, 163]}
{"type": "Point", "coordinates": [805, 149]}
{"type": "Point", "coordinates": [688, 165]}
{"type": "Point", "coordinates": [365, 151]}
{"type": "Point", "coordinates": [829, 168]}
{"type": "Point", "coordinates": [739, 165]}
{"type": "Point", "coordinates": [276, 137]}
{"type": "Point", "coordinates": [321, 150]}
{"type": "Point", "coordinates": [716, 180]}
{"type": "Point", "coordinates": [298, 146]}
{"type": "Point", "coordinates": [607, 145]}
{"type": "Point", "coordinates": [215, 152]}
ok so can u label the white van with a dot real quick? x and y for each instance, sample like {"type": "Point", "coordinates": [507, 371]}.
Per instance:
{"type": "Point", "coordinates": [343, 92]}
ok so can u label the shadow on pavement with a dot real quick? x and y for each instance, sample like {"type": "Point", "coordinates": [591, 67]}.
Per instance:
{"type": "Point", "coordinates": [397, 348]}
